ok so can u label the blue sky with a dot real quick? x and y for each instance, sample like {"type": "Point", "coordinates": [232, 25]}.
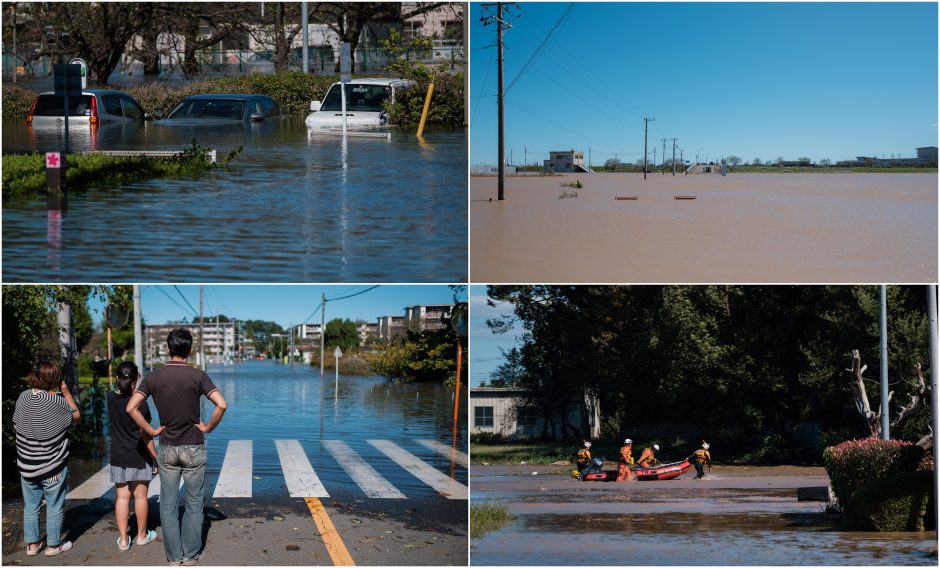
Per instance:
{"type": "Point", "coordinates": [284, 304]}
{"type": "Point", "coordinates": [757, 80]}
{"type": "Point", "coordinates": [485, 346]}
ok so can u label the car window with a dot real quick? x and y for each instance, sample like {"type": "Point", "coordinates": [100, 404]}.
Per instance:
{"type": "Point", "coordinates": [51, 105]}
{"type": "Point", "coordinates": [209, 108]}
{"type": "Point", "coordinates": [358, 98]}
{"type": "Point", "coordinates": [112, 104]}
{"type": "Point", "coordinates": [270, 107]}
{"type": "Point", "coordinates": [132, 109]}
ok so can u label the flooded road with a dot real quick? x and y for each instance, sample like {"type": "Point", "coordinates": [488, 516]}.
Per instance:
{"type": "Point", "coordinates": [732, 517]}
{"type": "Point", "coordinates": [270, 404]}
{"type": "Point", "coordinates": [293, 208]}
{"type": "Point", "coordinates": [864, 228]}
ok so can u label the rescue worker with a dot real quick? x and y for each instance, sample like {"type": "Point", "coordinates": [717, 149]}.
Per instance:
{"type": "Point", "coordinates": [648, 457]}
{"type": "Point", "coordinates": [626, 460]}
{"type": "Point", "coordinates": [584, 457]}
{"type": "Point", "coordinates": [699, 458]}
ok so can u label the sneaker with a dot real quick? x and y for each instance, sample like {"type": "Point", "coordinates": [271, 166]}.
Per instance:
{"type": "Point", "coordinates": [149, 537]}
{"type": "Point", "coordinates": [62, 547]}
{"type": "Point", "coordinates": [192, 561]}
{"type": "Point", "coordinates": [39, 546]}
{"type": "Point", "coordinates": [126, 546]}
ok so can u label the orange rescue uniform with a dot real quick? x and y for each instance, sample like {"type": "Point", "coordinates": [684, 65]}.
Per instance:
{"type": "Point", "coordinates": [646, 458]}
{"type": "Point", "coordinates": [626, 459]}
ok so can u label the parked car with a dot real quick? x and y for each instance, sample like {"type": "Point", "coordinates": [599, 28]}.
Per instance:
{"type": "Point", "coordinates": [364, 104]}
{"type": "Point", "coordinates": [223, 109]}
{"type": "Point", "coordinates": [94, 107]}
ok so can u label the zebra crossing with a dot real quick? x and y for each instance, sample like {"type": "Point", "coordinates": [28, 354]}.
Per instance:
{"type": "Point", "coordinates": [301, 479]}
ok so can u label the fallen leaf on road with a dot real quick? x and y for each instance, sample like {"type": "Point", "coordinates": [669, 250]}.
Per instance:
{"type": "Point", "coordinates": [292, 547]}
{"type": "Point", "coordinates": [356, 522]}
{"type": "Point", "coordinates": [277, 518]}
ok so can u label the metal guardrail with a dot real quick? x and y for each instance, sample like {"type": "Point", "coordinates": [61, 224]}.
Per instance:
{"type": "Point", "coordinates": [210, 155]}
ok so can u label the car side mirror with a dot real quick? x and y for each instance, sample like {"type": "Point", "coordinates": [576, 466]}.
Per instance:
{"type": "Point", "coordinates": [315, 106]}
{"type": "Point", "coordinates": [257, 117]}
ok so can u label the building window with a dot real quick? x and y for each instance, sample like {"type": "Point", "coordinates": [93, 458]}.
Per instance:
{"type": "Point", "coordinates": [526, 416]}
{"type": "Point", "coordinates": [483, 417]}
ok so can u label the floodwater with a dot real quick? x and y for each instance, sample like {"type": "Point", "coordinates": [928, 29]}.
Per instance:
{"type": "Point", "coordinates": [292, 208]}
{"type": "Point", "coordinates": [270, 401]}
{"type": "Point", "coordinates": [863, 228]}
{"type": "Point", "coordinates": [725, 519]}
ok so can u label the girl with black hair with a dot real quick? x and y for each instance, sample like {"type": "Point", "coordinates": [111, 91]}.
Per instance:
{"type": "Point", "coordinates": [133, 459]}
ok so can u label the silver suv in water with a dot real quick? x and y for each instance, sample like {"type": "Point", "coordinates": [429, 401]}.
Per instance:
{"type": "Point", "coordinates": [94, 107]}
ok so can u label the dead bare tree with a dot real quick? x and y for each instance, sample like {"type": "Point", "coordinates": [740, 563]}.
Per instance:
{"type": "Point", "coordinates": [873, 418]}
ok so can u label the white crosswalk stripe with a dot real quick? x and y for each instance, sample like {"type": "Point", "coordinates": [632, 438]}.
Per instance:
{"type": "Point", "coordinates": [446, 486]}
{"type": "Point", "coordinates": [235, 477]}
{"type": "Point", "coordinates": [446, 451]}
{"type": "Point", "coordinates": [365, 476]}
{"type": "Point", "coordinates": [302, 481]}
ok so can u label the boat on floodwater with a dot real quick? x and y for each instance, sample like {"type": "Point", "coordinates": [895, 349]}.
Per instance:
{"type": "Point", "coordinates": [657, 473]}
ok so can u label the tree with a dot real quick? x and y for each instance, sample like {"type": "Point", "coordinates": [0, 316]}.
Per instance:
{"type": "Point", "coordinates": [757, 162]}
{"type": "Point", "coordinates": [734, 160]}
{"type": "Point", "coordinates": [804, 161]}
{"type": "Point", "coordinates": [612, 164]}
{"type": "Point", "coordinates": [428, 356]}
{"type": "Point", "coordinates": [825, 162]}
{"type": "Point", "coordinates": [341, 333]}
{"type": "Point", "coordinates": [348, 19]}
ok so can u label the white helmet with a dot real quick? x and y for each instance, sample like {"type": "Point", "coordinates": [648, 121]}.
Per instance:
{"type": "Point", "coordinates": [656, 447]}
{"type": "Point", "coordinates": [587, 444]}
{"type": "Point", "coordinates": [705, 445]}
{"type": "Point", "coordinates": [628, 442]}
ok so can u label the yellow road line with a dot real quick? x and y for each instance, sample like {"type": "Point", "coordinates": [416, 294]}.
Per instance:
{"type": "Point", "coordinates": [332, 540]}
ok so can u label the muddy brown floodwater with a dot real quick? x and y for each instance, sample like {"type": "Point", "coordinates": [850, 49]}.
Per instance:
{"type": "Point", "coordinates": [736, 516]}
{"type": "Point", "coordinates": [859, 228]}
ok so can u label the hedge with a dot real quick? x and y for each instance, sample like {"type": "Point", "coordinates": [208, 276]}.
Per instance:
{"type": "Point", "coordinates": [898, 502]}
{"type": "Point", "coordinates": [855, 463]}
{"type": "Point", "coordinates": [293, 90]}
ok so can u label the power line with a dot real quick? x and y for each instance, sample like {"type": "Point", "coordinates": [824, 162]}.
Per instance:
{"type": "Point", "coordinates": [191, 308]}
{"type": "Point", "coordinates": [162, 291]}
{"type": "Point", "coordinates": [352, 295]}
{"type": "Point", "coordinates": [541, 47]}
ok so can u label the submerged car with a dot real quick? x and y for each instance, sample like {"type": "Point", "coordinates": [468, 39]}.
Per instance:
{"type": "Point", "coordinates": [364, 104]}
{"type": "Point", "coordinates": [94, 107]}
{"type": "Point", "coordinates": [223, 109]}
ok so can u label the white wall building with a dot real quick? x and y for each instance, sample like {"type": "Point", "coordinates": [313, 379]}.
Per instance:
{"type": "Point", "coordinates": [506, 412]}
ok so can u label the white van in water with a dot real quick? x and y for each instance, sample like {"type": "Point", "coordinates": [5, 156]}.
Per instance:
{"type": "Point", "coordinates": [364, 109]}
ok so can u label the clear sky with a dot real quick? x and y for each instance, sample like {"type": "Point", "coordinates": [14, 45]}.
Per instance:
{"type": "Point", "coordinates": [485, 346]}
{"type": "Point", "coordinates": [757, 80]}
{"type": "Point", "coordinates": [283, 304]}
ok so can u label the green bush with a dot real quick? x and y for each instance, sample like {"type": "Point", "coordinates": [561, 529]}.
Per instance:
{"type": "Point", "coordinates": [855, 463]}
{"type": "Point", "coordinates": [17, 101]}
{"type": "Point", "coordinates": [896, 503]}
{"type": "Point", "coordinates": [488, 517]}
{"type": "Point", "coordinates": [447, 102]}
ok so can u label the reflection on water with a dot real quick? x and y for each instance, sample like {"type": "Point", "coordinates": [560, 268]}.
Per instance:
{"type": "Point", "coordinates": [695, 539]}
{"type": "Point", "coordinates": [293, 209]}
{"type": "Point", "coordinates": [269, 401]}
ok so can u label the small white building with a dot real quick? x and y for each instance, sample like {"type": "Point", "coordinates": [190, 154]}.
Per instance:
{"type": "Point", "coordinates": [566, 161]}
{"type": "Point", "coordinates": [507, 413]}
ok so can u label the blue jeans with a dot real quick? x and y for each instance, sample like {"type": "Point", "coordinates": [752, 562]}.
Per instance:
{"type": "Point", "coordinates": [54, 492]}
{"type": "Point", "coordinates": [182, 542]}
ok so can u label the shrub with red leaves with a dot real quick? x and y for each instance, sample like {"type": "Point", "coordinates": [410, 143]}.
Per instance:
{"type": "Point", "coordinates": [855, 463]}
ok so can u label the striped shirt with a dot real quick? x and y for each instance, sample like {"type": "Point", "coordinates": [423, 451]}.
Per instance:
{"type": "Point", "coordinates": [42, 421]}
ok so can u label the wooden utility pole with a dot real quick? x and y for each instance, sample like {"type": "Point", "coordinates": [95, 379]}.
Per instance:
{"type": "Point", "coordinates": [674, 157]}
{"type": "Point", "coordinates": [646, 130]}
{"type": "Point", "coordinates": [202, 334]}
{"type": "Point", "coordinates": [664, 155]}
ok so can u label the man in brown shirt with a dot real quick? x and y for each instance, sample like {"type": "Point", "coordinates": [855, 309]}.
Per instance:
{"type": "Point", "coordinates": [176, 390]}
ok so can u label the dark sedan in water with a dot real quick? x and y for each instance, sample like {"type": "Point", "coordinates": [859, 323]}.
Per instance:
{"type": "Point", "coordinates": [223, 109]}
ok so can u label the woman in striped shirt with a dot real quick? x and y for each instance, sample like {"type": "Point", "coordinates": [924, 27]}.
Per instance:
{"type": "Point", "coordinates": [42, 419]}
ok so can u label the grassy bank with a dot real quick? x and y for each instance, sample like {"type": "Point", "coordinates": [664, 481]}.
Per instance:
{"type": "Point", "coordinates": [292, 90]}
{"type": "Point", "coordinates": [529, 452]}
{"type": "Point", "coordinates": [26, 174]}
{"type": "Point", "coordinates": [486, 518]}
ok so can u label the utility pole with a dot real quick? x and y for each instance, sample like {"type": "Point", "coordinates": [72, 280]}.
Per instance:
{"type": "Point", "coordinates": [934, 365]}
{"type": "Point", "coordinates": [304, 35]}
{"type": "Point", "coordinates": [525, 156]}
{"type": "Point", "coordinates": [466, 64]}
{"type": "Point", "coordinates": [501, 148]}
{"type": "Point", "coordinates": [664, 155]}
{"type": "Point", "coordinates": [202, 335]}
{"type": "Point", "coordinates": [67, 348]}
{"type": "Point", "coordinates": [290, 347]}
{"type": "Point", "coordinates": [885, 435]}
{"type": "Point", "coordinates": [646, 129]}
{"type": "Point", "coordinates": [322, 341]}
{"type": "Point", "coordinates": [138, 339]}
{"type": "Point", "coordinates": [654, 157]}
{"type": "Point", "coordinates": [674, 157]}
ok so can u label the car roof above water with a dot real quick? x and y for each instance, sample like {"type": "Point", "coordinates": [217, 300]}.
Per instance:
{"type": "Point", "coordinates": [236, 96]}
